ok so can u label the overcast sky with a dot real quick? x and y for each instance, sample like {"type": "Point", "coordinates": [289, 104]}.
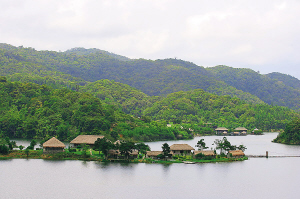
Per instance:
{"type": "Point", "coordinates": [257, 34]}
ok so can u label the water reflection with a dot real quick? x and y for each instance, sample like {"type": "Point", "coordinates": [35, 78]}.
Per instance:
{"type": "Point", "coordinates": [255, 178]}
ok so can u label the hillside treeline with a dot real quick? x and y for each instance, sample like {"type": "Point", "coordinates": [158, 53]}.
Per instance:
{"type": "Point", "coordinates": [29, 110]}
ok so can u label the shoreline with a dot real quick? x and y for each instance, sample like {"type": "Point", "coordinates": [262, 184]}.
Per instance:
{"type": "Point", "coordinates": [37, 154]}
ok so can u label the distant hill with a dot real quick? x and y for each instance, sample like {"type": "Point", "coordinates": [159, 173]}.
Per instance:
{"type": "Point", "coordinates": [198, 106]}
{"type": "Point", "coordinates": [286, 79]}
{"type": "Point", "coordinates": [83, 51]}
{"type": "Point", "coordinates": [270, 90]}
{"type": "Point", "coordinates": [154, 78]}
{"type": "Point", "coordinates": [80, 66]}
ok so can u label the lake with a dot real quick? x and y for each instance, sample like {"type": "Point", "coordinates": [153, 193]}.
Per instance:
{"type": "Point", "coordinates": [253, 178]}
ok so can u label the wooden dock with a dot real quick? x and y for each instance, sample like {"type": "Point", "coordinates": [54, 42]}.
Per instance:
{"type": "Point", "coordinates": [273, 156]}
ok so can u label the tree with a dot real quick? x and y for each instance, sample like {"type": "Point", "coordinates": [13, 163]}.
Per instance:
{"type": "Point", "coordinates": [32, 144]}
{"type": "Point", "coordinates": [142, 147]}
{"type": "Point", "coordinates": [21, 147]}
{"type": "Point", "coordinates": [166, 150]}
{"type": "Point", "coordinates": [103, 145]}
{"type": "Point", "coordinates": [84, 149]}
{"type": "Point", "coordinates": [126, 148]}
{"type": "Point", "coordinates": [242, 147]}
{"type": "Point", "coordinates": [27, 152]}
{"type": "Point", "coordinates": [224, 145]}
{"type": "Point", "coordinates": [201, 145]}
{"type": "Point", "coordinates": [4, 149]}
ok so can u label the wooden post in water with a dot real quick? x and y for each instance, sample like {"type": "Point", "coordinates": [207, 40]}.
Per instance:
{"type": "Point", "coordinates": [267, 154]}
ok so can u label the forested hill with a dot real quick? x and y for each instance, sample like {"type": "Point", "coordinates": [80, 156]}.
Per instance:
{"type": "Point", "coordinates": [80, 66]}
{"type": "Point", "coordinates": [29, 110]}
{"type": "Point", "coordinates": [275, 88]}
{"type": "Point", "coordinates": [154, 78]}
{"type": "Point", "coordinates": [198, 106]}
{"type": "Point", "coordinates": [286, 79]}
{"type": "Point", "coordinates": [83, 51]}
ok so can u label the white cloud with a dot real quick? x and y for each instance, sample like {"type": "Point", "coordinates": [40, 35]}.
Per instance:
{"type": "Point", "coordinates": [262, 35]}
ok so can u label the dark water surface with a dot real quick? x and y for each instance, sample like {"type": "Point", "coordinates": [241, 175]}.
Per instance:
{"type": "Point", "coordinates": [254, 178]}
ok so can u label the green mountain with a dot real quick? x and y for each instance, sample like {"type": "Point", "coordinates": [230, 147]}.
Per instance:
{"type": "Point", "coordinates": [29, 110]}
{"type": "Point", "coordinates": [285, 79]}
{"type": "Point", "coordinates": [81, 66]}
{"type": "Point", "coordinates": [83, 51]}
{"type": "Point", "coordinates": [77, 66]}
{"type": "Point", "coordinates": [200, 107]}
{"type": "Point", "coordinates": [291, 134]}
{"type": "Point", "coordinates": [270, 90]}
{"type": "Point", "coordinates": [126, 98]}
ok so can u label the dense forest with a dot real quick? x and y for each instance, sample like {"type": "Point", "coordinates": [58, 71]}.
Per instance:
{"type": "Point", "coordinates": [30, 110]}
{"type": "Point", "coordinates": [198, 106]}
{"type": "Point", "coordinates": [291, 134]}
{"type": "Point", "coordinates": [79, 66]}
{"type": "Point", "coordinates": [91, 91]}
{"type": "Point", "coordinates": [272, 88]}
{"type": "Point", "coordinates": [76, 66]}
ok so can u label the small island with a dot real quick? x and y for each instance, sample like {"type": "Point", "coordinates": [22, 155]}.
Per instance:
{"type": "Point", "coordinates": [291, 134]}
{"type": "Point", "coordinates": [99, 148]}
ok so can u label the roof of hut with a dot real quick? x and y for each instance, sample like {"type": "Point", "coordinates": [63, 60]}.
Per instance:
{"type": "Point", "coordinates": [113, 152]}
{"type": "Point", "coordinates": [86, 139]}
{"type": "Point", "coordinates": [240, 129]}
{"type": "Point", "coordinates": [54, 143]}
{"type": "Point", "coordinates": [221, 129]}
{"type": "Point", "coordinates": [237, 153]}
{"type": "Point", "coordinates": [154, 153]}
{"type": "Point", "coordinates": [206, 153]}
{"type": "Point", "coordinates": [181, 147]}
{"type": "Point", "coordinates": [117, 142]}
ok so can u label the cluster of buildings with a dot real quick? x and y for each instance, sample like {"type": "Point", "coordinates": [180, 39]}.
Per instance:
{"type": "Point", "coordinates": [237, 131]}
{"type": "Point", "coordinates": [54, 145]}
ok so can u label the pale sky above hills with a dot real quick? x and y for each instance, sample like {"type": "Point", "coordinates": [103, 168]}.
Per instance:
{"type": "Point", "coordinates": [257, 34]}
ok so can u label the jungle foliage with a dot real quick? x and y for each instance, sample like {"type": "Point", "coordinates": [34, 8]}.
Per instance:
{"type": "Point", "coordinates": [291, 134]}
{"type": "Point", "coordinates": [30, 110]}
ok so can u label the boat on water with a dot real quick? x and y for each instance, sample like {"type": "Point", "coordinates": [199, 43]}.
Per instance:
{"type": "Point", "coordinates": [187, 162]}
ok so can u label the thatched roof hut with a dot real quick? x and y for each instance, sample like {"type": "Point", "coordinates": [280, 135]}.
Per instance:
{"type": "Point", "coordinates": [180, 149]}
{"type": "Point", "coordinates": [221, 129]}
{"type": "Point", "coordinates": [184, 147]}
{"type": "Point", "coordinates": [206, 153]}
{"type": "Point", "coordinates": [117, 142]}
{"type": "Point", "coordinates": [54, 143]}
{"type": "Point", "coordinates": [153, 153]}
{"type": "Point", "coordinates": [53, 146]}
{"type": "Point", "coordinates": [86, 139]}
{"type": "Point", "coordinates": [236, 153]}
{"type": "Point", "coordinates": [240, 129]}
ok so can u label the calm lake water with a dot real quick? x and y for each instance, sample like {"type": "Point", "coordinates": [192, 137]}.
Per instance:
{"type": "Point", "coordinates": [254, 178]}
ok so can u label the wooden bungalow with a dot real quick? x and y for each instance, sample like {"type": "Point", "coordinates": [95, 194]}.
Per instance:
{"type": "Point", "coordinates": [210, 153]}
{"type": "Point", "coordinates": [53, 146]}
{"type": "Point", "coordinates": [221, 131]}
{"type": "Point", "coordinates": [153, 154]}
{"type": "Point", "coordinates": [240, 129]}
{"type": "Point", "coordinates": [116, 154]}
{"type": "Point", "coordinates": [181, 149]}
{"type": "Point", "coordinates": [236, 133]}
{"type": "Point", "coordinates": [235, 154]}
{"type": "Point", "coordinates": [85, 139]}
